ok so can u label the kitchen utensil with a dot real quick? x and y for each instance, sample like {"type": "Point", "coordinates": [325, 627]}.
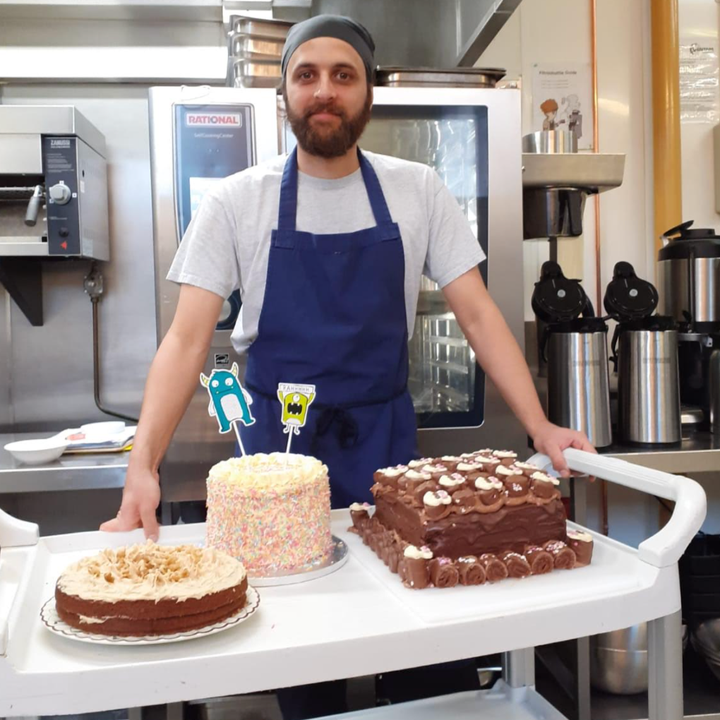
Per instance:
{"type": "Point", "coordinates": [37, 452]}
{"type": "Point", "coordinates": [619, 660]}
{"type": "Point", "coordinates": [645, 354]}
{"type": "Point", "coordinates": [573, 343]}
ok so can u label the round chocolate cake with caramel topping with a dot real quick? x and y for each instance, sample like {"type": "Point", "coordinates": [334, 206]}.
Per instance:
{"type": "Point", "coordinates": [150, 590]}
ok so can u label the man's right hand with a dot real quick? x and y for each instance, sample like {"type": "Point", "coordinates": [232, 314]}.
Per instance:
{"type": "Point", "coordinates": [141, 497]}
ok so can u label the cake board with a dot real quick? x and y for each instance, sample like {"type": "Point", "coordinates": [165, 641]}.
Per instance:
{"type": "Point", "coordinates": [347, 624]}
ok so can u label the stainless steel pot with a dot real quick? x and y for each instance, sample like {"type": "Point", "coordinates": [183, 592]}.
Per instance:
{"type": "Point", "coordinates": [578, 383]}
{"type": "Point", "coordinates": [689, 273]}
{"type": "Point", "coordinates": [649, 386]}
{"type": "Point", "coordinates": [619, 661]}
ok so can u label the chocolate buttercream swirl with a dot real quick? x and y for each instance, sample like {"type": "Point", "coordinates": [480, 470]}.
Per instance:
{"type": "Point", "coordinates": [450, 462]}
{"type": "Point", "coordinates": [437, 504]}
{"type": "Point", "coordinates": [412, 479]}
{"type": "Point", "coordinates": [541, 561]}
{"type": "Point", "coordinates": [384, 491]}
{"type": "Point", "coordinates": [563, 557]}
{"type": "Point", "coordinates": [419, 492]}
{"type": "Point", "coordinates": [390, 475]}
{"type": "Point", "coordinates": [495, 568]}
{"type": "Point", "coordinates": [517, 489]}
{"type": "Point", "coordinates": [443, 573]}
{"type": "Point", "coordinates": [470, 570]}
{"type": "Point", "coordinates": [516, 564]}
{"type": "Point", "coordinates": [436, 471]}
{"type": "Point", "coordinates": [452, 483]}
{"type": "Point", "coordinates": [465, 499]}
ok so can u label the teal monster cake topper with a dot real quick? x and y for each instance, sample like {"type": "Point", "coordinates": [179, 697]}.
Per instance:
{"type": "Point", "coordinates": [229, 401]}
{"type": "Point", "coordinates": [295, 401]}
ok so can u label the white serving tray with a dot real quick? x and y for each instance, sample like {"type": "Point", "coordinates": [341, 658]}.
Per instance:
{"type": "Point", "coordinates": [357, 621]}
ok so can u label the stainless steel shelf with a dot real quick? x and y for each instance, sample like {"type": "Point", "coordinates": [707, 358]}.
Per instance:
{"type": "Point", "coordinates": [698, 452]}
{"type": "Point", "coordinates": [71, 472]}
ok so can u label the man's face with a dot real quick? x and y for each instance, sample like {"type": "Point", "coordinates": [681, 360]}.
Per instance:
{"type": "Point", "coordinates": [327, 97]}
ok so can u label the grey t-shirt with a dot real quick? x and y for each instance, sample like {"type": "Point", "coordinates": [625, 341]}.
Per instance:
{"type": "Point", "coordinates": [227, 243]}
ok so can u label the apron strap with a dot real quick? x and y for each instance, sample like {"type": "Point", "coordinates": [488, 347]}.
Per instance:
{"type": "Point", "coordinates": [287, 213]}
{"type": "Point", "coordinates": [374, 191]}
{"type": "Point", "coordinates": [288, 193]}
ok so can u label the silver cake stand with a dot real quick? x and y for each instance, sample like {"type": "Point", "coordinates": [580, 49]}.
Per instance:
{"type": "Point", "coordinates": [312, 571]}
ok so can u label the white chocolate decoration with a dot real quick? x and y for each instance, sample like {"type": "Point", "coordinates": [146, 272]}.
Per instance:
{"type": "Point", "coordinates": [415, 553]}
{"type": "Point", "coordinates": [491, 483]}
{"type": "Point", "coordinates": [359, 507]}
{"type": "Point", "coordinates": [579, 535]}
{"type": "Point", "coordinates": [394, 471]}
{"type": "Point", "coordinates": [434, 468]}
{"type": "Point", "coordinates": [450, 458]}
{"type": "Point", "coordinates": [486, 460]}
{"type": "Point", "coordinates": [504, 454]}
{"type": "Point", "coordinates": [509, 471]}
{"type": "Point", "coordinates": [469, 467]}
{"type": "Point", "coordinates": [451, 481]}
{"type": "Point", "coordinates": [435, 499]}
{"type": "Point", "coordinates": [419, 463]}
{"type": "Point", "coordinates": [415, 475]}
{"type": "Point", "coordinates": [542, 477]}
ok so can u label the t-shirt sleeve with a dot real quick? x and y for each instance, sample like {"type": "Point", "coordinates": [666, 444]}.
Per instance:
{"type": "Point", "coordinates": [207, 256]}
{"type": "Point", "coordinates": [453, 249]}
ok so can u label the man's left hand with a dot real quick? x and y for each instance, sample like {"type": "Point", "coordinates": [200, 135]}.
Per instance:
{"type": "Point", "coordinates": [552, 440]}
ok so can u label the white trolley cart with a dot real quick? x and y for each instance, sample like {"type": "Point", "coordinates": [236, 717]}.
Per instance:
{"type": "Point", "coordinates": [357, 621]}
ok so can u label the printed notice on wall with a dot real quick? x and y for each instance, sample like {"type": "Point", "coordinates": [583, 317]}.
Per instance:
{"type": "Point", "coordinates": [699, 97]}
{"type": "Point", "coordinates": [562, 99]}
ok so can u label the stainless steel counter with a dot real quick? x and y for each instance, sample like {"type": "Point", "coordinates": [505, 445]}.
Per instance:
{"type": "Point", "coordinates": [70, 472]}
{"type": "Point", "coordinates": [698, 452]}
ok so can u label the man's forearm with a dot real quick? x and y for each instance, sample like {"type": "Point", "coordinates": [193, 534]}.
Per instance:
{"type": "Point", "coordinates": [168, 391]}
{"type": "Point", "coordinates": [505, 365]}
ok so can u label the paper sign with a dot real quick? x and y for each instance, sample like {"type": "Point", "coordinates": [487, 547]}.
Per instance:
{"type": "Point", "coordinates": [295, 401]}
{"type": "Point", "coordinates": [562, 100]}
{"type": "Point", "coordinates": [229, 401]}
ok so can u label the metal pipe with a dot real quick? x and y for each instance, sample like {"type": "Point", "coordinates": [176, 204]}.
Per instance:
{"type": "Point", "coordinates": [604, 522]}
{"type": "Point", "coordinates": [667, 181]}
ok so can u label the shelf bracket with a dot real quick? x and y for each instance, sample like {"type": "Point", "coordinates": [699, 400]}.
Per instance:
{"type": "Point", "coordinates": [22, 278]}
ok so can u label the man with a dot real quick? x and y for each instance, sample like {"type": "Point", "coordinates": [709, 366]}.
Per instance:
{"type": "Point", "coordinates": [327, 248]}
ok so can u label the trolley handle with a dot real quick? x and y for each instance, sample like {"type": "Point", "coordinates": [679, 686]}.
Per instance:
{"type": "Point", "coordinates": [666, 546]}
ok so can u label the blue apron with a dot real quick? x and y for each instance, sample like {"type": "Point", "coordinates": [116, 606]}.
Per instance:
{"type": "Point", "coordinates": [334, 316]}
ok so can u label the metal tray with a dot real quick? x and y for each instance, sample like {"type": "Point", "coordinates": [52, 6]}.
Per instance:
{"type": "Point", "coordinates": [260, 28]}
{"type": "Point", "coordinates": [454, 77]}
{"type": "Point", "coordinates": [255, 48]}
{"type": "Point", "coordinates": [256, 73]}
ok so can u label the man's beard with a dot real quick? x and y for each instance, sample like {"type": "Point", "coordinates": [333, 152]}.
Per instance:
{"type": "Point", "coordinates": [322, 139]}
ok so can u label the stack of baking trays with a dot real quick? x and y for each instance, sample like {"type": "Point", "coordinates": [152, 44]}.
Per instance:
{"type": "Point", "coordinates": [254, 52]}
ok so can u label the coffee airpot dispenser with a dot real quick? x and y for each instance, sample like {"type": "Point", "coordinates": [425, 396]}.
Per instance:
{"type": "Point", "coordinates": [645, 356]}
{"type": "Point", "coordinates": [574, 345]}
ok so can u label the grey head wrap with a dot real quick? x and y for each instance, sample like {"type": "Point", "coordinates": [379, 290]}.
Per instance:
{"type": "Point", "coordinates": [333, 26]}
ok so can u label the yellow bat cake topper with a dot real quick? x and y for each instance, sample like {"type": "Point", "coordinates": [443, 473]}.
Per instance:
{"type": "Point", "coordinates": [295, 401]}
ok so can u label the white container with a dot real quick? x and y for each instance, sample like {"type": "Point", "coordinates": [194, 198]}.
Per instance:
{"type": "Point", "coordinates": [37, 452]}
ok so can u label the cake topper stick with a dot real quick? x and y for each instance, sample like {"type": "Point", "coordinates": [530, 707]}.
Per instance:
{"type": "Point", "coordinates": [295, 401]}
{"type": "Point", "coordinates": [229, 401]}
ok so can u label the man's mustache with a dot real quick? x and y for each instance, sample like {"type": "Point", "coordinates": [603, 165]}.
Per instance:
{"type": "Point", "coordinates": [331, 109]}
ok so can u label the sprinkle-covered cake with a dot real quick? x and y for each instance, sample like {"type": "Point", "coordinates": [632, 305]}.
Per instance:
{"type": "Point", "coordinates": [271, 512]}
{"type": "Point", "coordinates": [150, 590]}
{"type": "Point", "coordinates": [467, 520]}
